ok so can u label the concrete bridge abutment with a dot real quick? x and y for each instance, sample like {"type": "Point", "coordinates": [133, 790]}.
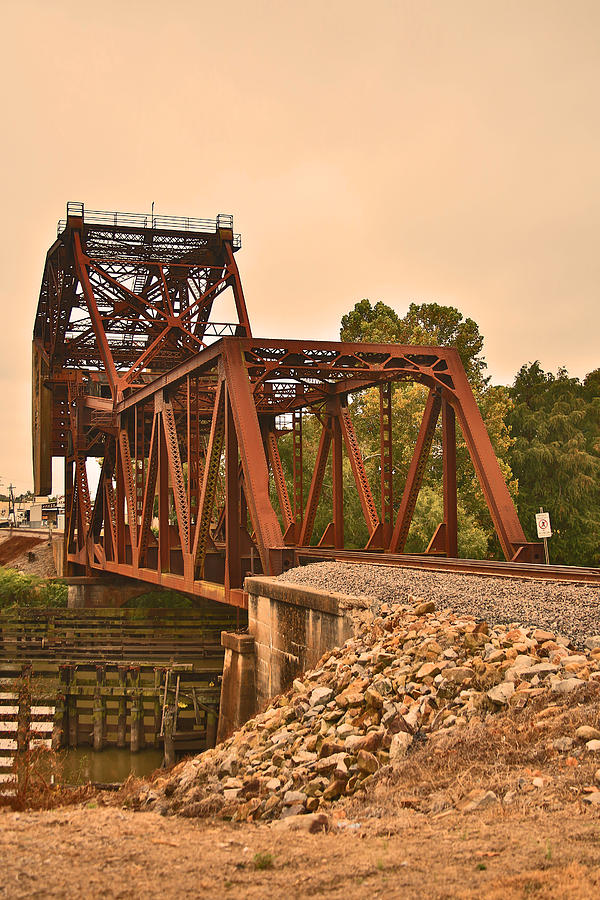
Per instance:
{"type": "Point", "coordinates": [290, 627]}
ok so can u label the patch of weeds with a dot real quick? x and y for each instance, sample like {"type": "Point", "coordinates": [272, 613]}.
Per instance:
{"type": "Point", "coordinates": [263, 860]}
{"type": "Point", "coordinates": [482, 867]}
{"type": "Point", "coordinates": [91, 805]}
{"type": "Point", "coordinates": [548, 850]}
{"type": "Point", "coordinates": [380, 865]}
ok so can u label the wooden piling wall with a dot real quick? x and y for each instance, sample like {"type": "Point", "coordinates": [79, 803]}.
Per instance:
{"type": "Point", "coordinates": [111, 673]}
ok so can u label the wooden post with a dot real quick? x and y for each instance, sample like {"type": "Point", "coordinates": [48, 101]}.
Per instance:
{"type": "Point", "coordinates": [24, 716]}
{"type": "Point", "coordinates": [122, 709]}
{"type": "Point", "coordinates": [72, 707]}
{"type": "Point", "coordinates": [169, 747]}
{"type": "Point", "coordinates": [61, 716]}
{"type": "Point", "coordinates": [58, 729]}
{"type": "Point", "coordinates": [137, 715]}
{"type": "Point", "coordinates": [99, 709]}
{"type": "Point", "coordinates": [157, 706]}
{"type": "Point", "coordinates": [211, 727]}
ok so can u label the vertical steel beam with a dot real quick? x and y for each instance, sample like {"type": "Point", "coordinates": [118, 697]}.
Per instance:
{"type": "Point", "coordinates": [139, 456]}
{"type": "Point", "coordinates": [83, 492]}
{"type": "Point", "coordinates": [129, 487]}
{"type": "Point", "coordinates": [449, 463]}
{"type": "Point", "coordinates": [69, 492]}
{"type": "Point", "coordinates": [278, 477]}
{"type": "Point", "coordinates": [100, 513]}
{"type": "Point", "coordinates": [256, 473]}
{"type": "Point", "coordinates": [120, 508]}
{"type": "Point", "coordinates": [386, 460]}
{"type": "Point", "coordinates": [238, 291]}
{"type": "Point", "coordinates": [308, 522]}
{"type": "Point", "coordinates": [416, 472]}
{"type": "Point", "coordinates": [195, 468]}
{"type": "Point", "coordinates": [188, 446]}
{"type": "Point", "coordinates": [210, 479]}
{"type": "Point", "coordinates": [110, 519]}
{"type": "Point", "coordinates": [297, 467]}
{"type": "Point", "coordinates": [365, 495]}
{"type": "Point", "coordinates": [81, 261]}
{"type": "Point", "coordinates": [233, 562]}
{"type": "Point", "coordinates": [164, 528]}
{"type": "Point", "coordinates": [337, 484]}
{"type": "Point", "coordinates": [496, 493]}
{"type": "Point", "coordinates": [177, 480]}
{"type": "Point", "coordinates": [149, 493]}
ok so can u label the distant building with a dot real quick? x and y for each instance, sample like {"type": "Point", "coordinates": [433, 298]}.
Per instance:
{"type": "Point", "coordinates": [37, 513]}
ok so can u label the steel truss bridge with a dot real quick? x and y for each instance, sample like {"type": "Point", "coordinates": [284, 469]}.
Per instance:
{"type": "Point", "coordinates": [143, 357]}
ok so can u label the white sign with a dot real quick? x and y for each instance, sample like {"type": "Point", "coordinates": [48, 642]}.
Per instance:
{"type": "Point", "coordinates": [542, 520]}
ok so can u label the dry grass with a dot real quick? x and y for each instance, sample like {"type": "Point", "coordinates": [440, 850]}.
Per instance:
{"type": "Point", "coordinates": [37, 783]}
{"type": "Point", "coordinates": [502, 754]}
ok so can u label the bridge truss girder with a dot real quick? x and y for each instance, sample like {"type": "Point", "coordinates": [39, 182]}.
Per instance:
{"type": "Point", "coordinates": [194, 445]}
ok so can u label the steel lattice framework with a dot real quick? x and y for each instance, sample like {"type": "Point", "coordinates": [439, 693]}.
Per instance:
{"type": "Point", "coordinates": [134, 364]}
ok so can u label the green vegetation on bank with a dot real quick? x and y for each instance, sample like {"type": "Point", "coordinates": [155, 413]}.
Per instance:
{"type": "Point", "coordinates": [17, 589]}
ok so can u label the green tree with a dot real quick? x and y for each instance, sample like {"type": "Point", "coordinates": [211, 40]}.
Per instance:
{"type": "Point", "coordinates": [367, 324]}
{"type": "Point", "coordinates": [431, 324]}
{"type": "Point", "coordinates": [424, 324]}
{"type": "Point", "coordinates": [555, 421]}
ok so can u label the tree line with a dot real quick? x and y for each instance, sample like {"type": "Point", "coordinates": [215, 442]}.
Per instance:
{"type": "Point", "coordinates": [545, 429]}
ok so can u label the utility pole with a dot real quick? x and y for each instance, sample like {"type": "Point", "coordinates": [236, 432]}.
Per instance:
{"type": "Point", "coordinates": [11, 504]}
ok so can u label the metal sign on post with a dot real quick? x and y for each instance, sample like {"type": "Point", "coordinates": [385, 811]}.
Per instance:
{"type": "Point", "coordinates": [544, 530]}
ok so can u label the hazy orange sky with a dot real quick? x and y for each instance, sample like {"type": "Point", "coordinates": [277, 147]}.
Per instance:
{"type": "Point", "coordinates": [401, 151]}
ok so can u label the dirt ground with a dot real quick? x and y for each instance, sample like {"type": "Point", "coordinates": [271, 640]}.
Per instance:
{"type": "Point", "coordinates": [106, 852]}
{"type": "Point", "coordinates": [15, 549]}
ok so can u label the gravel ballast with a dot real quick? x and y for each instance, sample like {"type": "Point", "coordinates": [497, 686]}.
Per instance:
{"type": "Point", "coordinates": [570, 609]}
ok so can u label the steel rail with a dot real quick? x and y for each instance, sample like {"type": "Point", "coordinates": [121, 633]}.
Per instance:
{"type": "Point", "coordinates": [488, 567]}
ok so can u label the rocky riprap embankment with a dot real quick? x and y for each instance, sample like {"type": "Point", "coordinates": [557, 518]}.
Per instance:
{"type": "Point", "coordinates": [569, 608]}
{"type": "Point", "coordinates": [411, 673]}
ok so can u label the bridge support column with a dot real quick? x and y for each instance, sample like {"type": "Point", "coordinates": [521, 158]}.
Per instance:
{"type": "Point", "coordinates": [98, 592]}
{"type": "Point", "coordinates": [290, 627]}
{"type": "Point", "coordinates": [238, 687]}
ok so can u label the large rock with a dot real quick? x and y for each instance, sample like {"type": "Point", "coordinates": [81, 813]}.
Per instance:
{"type": "Point", "coordinates": [312, 823]}
{"type": "Point", "coordinates": [458, 674]}
{"type": "Point", "coordinates": [292, 798]}
{"type": "Point", "coordinates": [502, 693]}
{"type": "Point", "coordinates": [367, 762]}
{"type": "Point", "coordinates": [421, 609]}
{"type": "Point", "coordinates": [320, 695]}
{"type": "Point", "coordinates": [567, 685]}
{"type": "Point", "coordinates": [399, 745]}
{"type": "Point", "coordinates": [587, 733]}
{"type": "Point", "coordinates": [477, 799]}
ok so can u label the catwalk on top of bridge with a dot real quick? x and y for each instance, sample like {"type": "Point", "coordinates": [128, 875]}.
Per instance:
{"type": "Point", "coordinates": [143, 357]}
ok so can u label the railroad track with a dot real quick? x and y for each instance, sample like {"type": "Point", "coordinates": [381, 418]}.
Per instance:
{"type": "Point", "coordinates": [496, 568]}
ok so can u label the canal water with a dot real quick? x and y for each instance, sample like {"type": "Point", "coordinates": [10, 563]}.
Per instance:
{"type": "Point", "coordinates": [109, 766]}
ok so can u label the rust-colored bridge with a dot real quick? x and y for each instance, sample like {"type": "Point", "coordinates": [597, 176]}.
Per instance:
{"type": "Point", "coordinates": [143, 357]}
